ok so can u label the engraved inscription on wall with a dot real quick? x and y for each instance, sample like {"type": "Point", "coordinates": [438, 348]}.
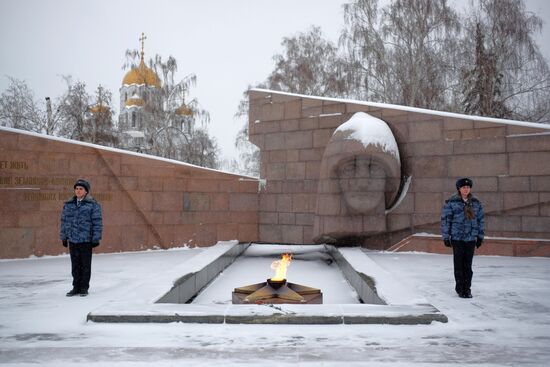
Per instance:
{"type": "Point", "coordinates": [13, 165]}
{"type": "Point", "coordinates": [39, 188]}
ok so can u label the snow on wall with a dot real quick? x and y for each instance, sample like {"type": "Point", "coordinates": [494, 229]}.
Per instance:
{"type": "Point", "coordinates": [370, 130]}
{"type": "Point", "coordinates": [413, 109]}
{"type": "Point", "coordinates": [122, 151]}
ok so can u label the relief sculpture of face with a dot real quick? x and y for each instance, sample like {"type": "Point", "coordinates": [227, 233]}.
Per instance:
{"type": "Point", "coordinates": [359, 181]}
{"type": "Point", "coordinates": [362, 182]}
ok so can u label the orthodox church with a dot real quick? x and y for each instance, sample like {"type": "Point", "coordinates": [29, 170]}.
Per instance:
{"type": "Point", "coordinates": [143, 107]}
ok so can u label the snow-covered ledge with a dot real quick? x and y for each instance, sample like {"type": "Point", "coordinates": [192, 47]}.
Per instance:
{"type": "Point", "coordinates": [202, 270]}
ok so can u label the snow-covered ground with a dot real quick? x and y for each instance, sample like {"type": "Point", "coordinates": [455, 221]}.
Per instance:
{"type": "Point", "coordinates": [507, 323]}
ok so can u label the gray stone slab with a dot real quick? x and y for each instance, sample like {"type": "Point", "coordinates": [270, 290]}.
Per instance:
{"type": "Point", "coordinates": [363, 284]}
{"type": "Point", "coordinates": [275, 314]}
{"type": "Point", "coordinates": [160, 319]}
{"type": "Point", "coordinates": [284, 319]}
{"type": "Point", "coordinates": [392, 314]}
{"type": "Point", "coordinates": [189, 285]}
{"type": "Point", "coordinates": [393, 320]}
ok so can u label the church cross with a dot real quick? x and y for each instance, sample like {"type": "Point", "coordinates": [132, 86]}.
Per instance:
{"type": "Point", "coordinates": [142, 39]}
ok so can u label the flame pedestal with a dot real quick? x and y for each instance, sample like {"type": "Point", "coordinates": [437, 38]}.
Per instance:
{"type": "Point", "coordinates": [275, 292]}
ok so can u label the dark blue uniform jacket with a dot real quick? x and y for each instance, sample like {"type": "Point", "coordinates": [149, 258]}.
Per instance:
{"type": "Point", "coordinates": [81, 224]}
{"type": "Point", "coordinates": [456, 226]}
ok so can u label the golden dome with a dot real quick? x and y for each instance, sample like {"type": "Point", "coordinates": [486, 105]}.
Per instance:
{"type": "Point", "coordinates": [141, 75]}
{"type": "Point", "coordinates": [134, 101]}
{"type": "Point", "coordinates": [98, 108]}
{"type": "Point", "coordinates": [183, 110]}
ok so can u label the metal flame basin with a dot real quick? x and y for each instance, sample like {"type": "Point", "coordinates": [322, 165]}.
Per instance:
{"type": "Point", "coordinates": [277, 292]}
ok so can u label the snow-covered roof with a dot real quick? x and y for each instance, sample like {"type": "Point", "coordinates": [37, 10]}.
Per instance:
{"type": "Point", "coordinates": [120, 151]}
{"type": "Point", "coordinates": [413, 109]}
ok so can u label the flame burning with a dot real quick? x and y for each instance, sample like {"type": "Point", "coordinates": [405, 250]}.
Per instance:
{"type": "Point", "coordinates": [280, 267]}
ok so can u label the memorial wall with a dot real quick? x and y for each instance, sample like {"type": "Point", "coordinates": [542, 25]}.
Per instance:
{"type": "Point", "coordinates": [336, 171]}
{"type": "Point", "coordinates": [147, 202]}
{"type": "Point", "coordinates": [352, 172]}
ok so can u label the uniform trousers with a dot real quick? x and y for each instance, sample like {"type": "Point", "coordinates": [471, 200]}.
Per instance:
{"type": "Point", "coordinates": [81, 265]}
{"type": "Point", "coordinates": [463, 254]}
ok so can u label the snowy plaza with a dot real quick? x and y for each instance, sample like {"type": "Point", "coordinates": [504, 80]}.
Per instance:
{"type": "Point", "coordinates": [505, 324]}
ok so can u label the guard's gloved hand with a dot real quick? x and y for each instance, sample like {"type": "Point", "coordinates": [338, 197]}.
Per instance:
{"type": "Point", "coordinates": [479, 241]}
{"type": "Point", "coordinates": [448, 243]}
{"type": "Point", "coordinates": [95, 244]}
{"type": "Point", "coordinates": [65, 243]}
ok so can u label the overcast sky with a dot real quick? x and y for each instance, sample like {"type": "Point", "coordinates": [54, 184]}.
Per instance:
{"type": "Point", "coordinates": [228, 45]}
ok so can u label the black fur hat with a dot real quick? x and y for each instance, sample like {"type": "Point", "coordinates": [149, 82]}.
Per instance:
{"type": "Point", "coordinates": [83, 183]}
{"type": "Point", "coordinates": [464, 182]}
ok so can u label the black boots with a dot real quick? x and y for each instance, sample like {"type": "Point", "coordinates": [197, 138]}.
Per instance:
{"type": "Point", "coordinates": [466, 294]}
{"type": "Point", "coordinates": [72, 292]}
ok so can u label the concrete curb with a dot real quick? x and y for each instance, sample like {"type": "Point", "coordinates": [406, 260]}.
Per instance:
{"type": "Point", "coordinates": [283, 314]}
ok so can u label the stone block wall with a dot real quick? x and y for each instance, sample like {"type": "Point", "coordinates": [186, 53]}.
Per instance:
{"type": "Point", "coordinates": [149, 202]}
{"type": "Point", "coordinates": [508, 162]}
{"type": "Point", "coordinates": [146, 202]}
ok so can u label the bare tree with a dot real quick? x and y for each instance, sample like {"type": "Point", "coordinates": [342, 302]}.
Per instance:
{"type": "Point", "coordinates": [402, 54]}
{"type": "Point", "coordinates": [84, 117]}
{"type": "Point", "coordinates": [509, 30]}
{"type": "Point", "coordinates": [73, 109]}
{"type": "Point", "coordinates": [201, 150]}
{"type": "Point", "coordinates": [249, 154]}
{"type": "Point", "coordinates": [483, 83]}
{"type": "Point", "coordinates": [309, 65]}
{"type": "Point", "coordinates": [20, 110]}
{"type": "Point", "coordinates": [70, 115]}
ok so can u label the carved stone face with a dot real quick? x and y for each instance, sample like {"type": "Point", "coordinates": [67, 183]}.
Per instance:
{"type": "Point", "coordinates": [362, 181]}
